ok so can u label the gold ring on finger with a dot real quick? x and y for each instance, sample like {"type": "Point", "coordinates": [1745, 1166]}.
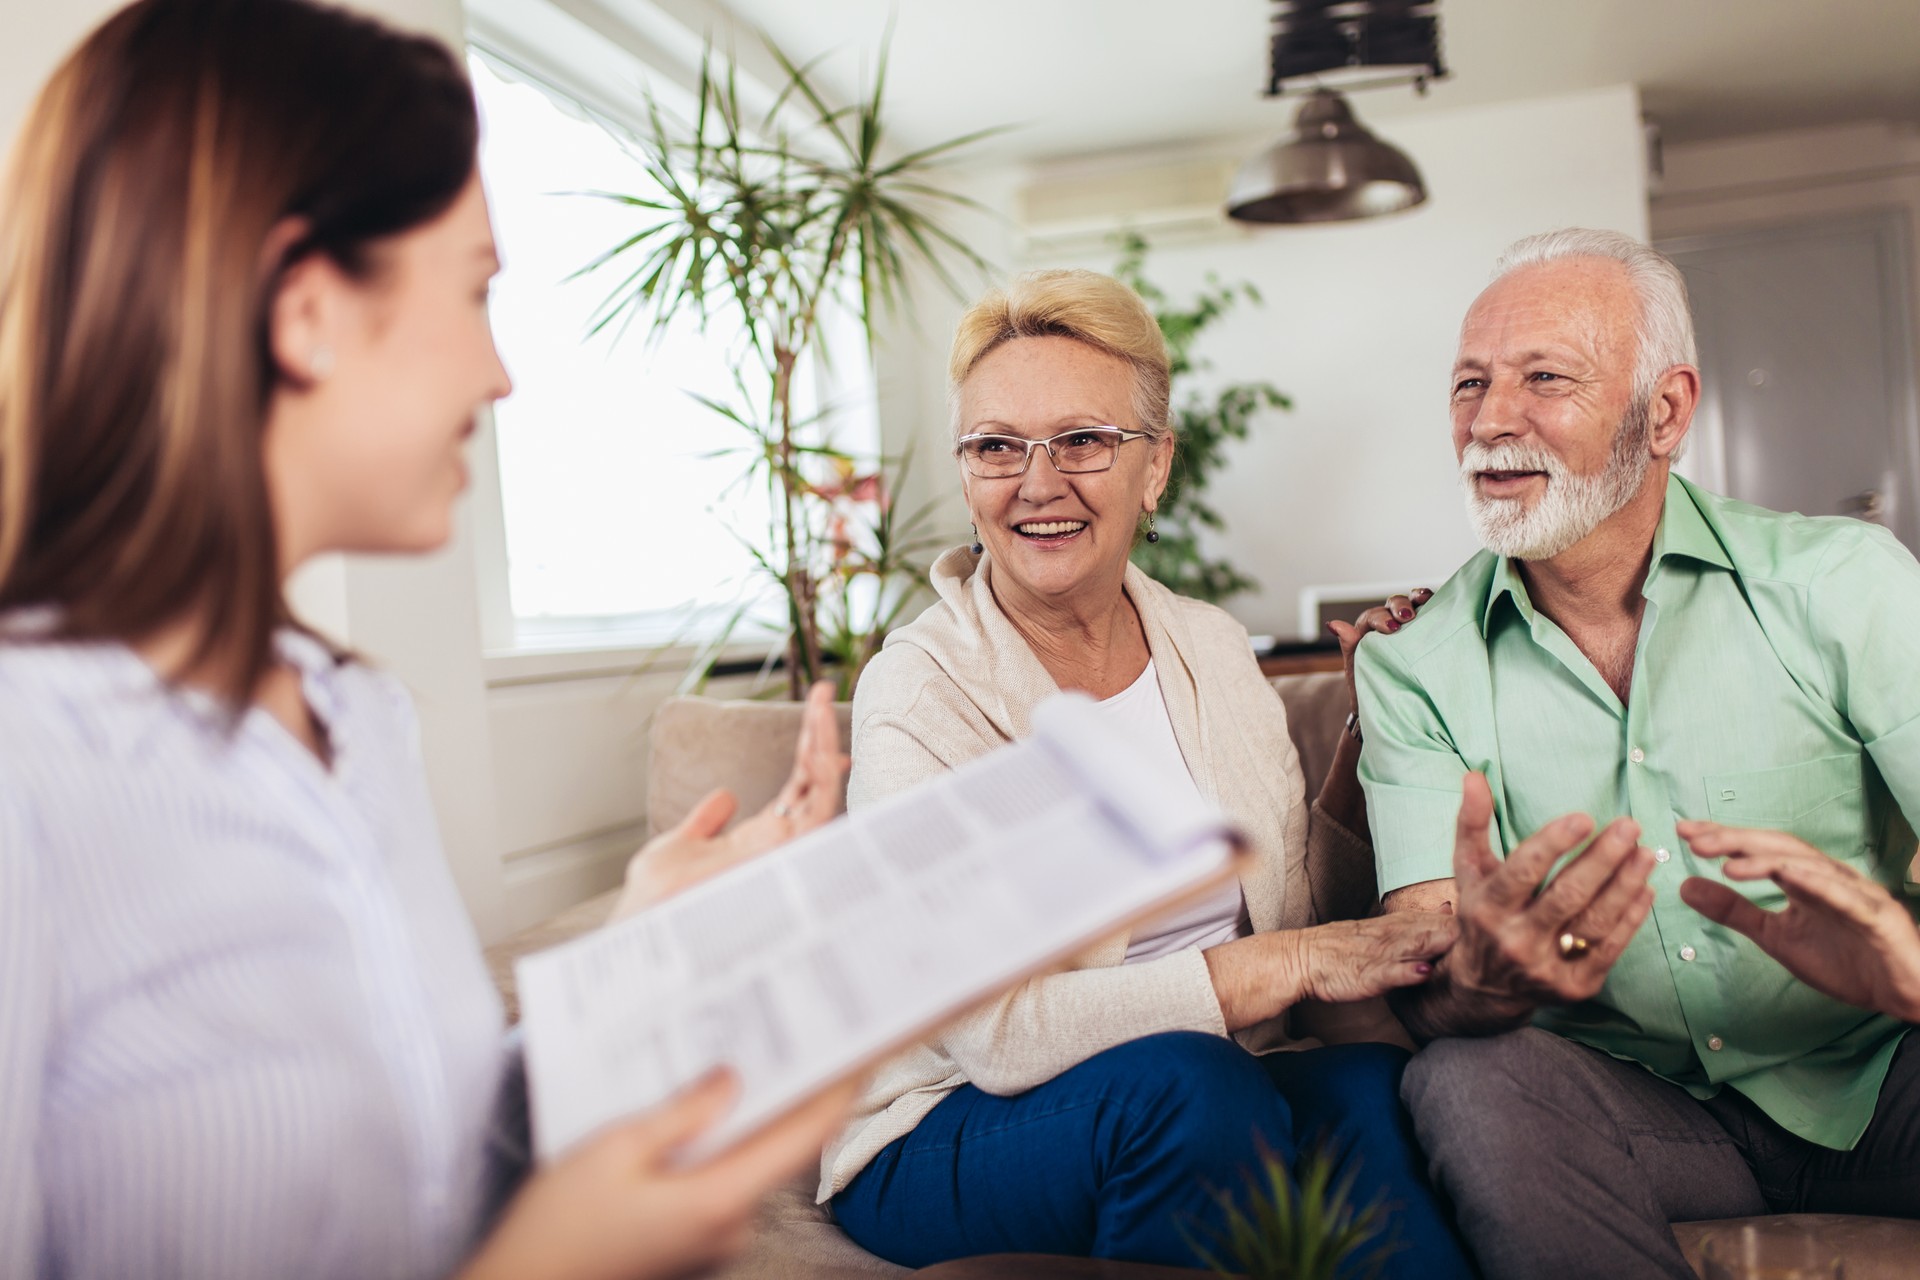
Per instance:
{"type": "Point", "coordinates": [1573, 946]}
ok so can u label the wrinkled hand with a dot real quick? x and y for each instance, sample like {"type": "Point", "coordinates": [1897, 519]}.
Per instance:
{"type": "Point", "coordinates": [1388, 617]}
{"type": "Point", "coordinates": [1358, 959]}
{"type": "Point", "coordinates": [1841, 933]}
{"type": "Point", "coordinates": [701, 846]}
{"type": "Point", "coordinates": [619, 1207]}
{"type": "Point", "coordinates": [1508, 958]}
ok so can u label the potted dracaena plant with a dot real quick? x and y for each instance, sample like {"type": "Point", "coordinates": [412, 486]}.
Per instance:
{"type": "Point", "coordinates": [771, 224]}
{"type": "Point", "coordinates": [1295, 1224]}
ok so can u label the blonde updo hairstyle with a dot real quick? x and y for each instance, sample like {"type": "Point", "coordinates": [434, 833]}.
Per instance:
{"type": "Point", "coordinates": [1083, 305]}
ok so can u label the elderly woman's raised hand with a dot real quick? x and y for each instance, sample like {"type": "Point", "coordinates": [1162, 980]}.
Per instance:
{"type": "Point", "coordinates": [1841, 933]}
{"type": "Point", "coordinates": [701, 846]}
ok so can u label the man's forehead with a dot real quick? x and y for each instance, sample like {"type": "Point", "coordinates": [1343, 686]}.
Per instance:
{"type": "Point", "coordinates": [1572, 306]}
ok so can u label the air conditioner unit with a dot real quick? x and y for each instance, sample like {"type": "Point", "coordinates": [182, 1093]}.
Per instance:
{"type": "Point", "coordinates": [1067, 213]}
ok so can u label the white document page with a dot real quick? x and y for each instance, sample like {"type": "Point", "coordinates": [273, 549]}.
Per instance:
{"type": "Point", "coordinates": [826, 954]}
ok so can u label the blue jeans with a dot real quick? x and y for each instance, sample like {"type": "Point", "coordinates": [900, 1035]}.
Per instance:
{"type": "Point", "coordinates": [1113, 1158]}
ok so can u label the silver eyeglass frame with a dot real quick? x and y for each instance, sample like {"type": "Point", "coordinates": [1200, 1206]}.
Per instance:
{"type": "Point", "coordinates": [1125, 435]}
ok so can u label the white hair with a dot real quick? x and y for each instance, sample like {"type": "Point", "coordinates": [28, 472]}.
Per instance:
{"type": "Point", "coordinates": [1665, 331]}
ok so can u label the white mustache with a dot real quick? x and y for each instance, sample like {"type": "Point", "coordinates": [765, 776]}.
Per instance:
{"type": "Point", "coordinates": [1512, 456]}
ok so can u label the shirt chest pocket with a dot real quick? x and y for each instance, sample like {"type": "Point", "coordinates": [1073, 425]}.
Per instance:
{"type": "Point", "coordinates": [1822, 801]}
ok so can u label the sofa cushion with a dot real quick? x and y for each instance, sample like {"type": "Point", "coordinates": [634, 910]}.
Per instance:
{"type": "Point", "coordinates": [1872, 1248]}
{"type": "Point", "coordinates": [796, 1237]}
{"type": "Point", "coordinates": [700, 744]}
{"type": "Point", "coordinates": [1317, 707]}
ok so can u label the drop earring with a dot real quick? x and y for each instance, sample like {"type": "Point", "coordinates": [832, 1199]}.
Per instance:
{"type": "Point", "coordinates": [1152, 536]}
{"type": "Point", "coordinates": [977, 548]}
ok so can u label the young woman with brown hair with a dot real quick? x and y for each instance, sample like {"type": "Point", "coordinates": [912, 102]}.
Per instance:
{"type": "Point", "coordinates": [244, 1026]}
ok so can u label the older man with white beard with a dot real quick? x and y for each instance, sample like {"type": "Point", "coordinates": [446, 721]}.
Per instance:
{"type": "Point", "coordinates": [1630, 655]}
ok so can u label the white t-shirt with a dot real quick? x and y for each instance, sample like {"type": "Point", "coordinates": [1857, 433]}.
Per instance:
{"type": "Point", "coordinates": [1139, 714]}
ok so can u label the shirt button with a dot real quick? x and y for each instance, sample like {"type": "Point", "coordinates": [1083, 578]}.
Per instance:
{"type": "Point", "coordinates": [1637, 755]}
{"type": "Point", "coordinates": [1688, 953]}
{"type": "Point", "coordinates": [1715, 1043]}
{"type": "Point", "coordinates": [1661, 855]}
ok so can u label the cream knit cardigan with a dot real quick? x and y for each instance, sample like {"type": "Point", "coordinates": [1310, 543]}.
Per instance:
{"type": "Point", "coordinates": [960, 681]}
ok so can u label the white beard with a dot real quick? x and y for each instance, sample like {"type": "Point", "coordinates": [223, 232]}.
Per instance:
{"type": "Point", "coordinates": [1572, 507]}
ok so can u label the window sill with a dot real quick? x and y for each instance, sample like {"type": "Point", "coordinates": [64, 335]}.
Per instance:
{"type": "Point", "coordinates": [530, 664]}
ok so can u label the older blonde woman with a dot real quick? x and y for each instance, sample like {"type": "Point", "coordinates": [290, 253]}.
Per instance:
{"type": "Point", "coordinates": [1093, 1111]}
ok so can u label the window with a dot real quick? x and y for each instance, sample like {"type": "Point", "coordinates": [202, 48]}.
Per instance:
{"type": "Point", "coordinates": [622, 525]}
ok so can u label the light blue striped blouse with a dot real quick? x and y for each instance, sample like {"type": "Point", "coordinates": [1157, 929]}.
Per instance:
{"type": "Point", "coordinates": [245, 1029]}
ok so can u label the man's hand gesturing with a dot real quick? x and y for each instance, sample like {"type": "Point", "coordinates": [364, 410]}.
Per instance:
{"type": "Point", "coordinates": [1842, 934]}
{"type": "Point", "coordinates": [1522, 946]}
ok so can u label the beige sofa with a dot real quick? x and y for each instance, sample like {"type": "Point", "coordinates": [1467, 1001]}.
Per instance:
{"type": "Point", "coordinates": [699, 744]}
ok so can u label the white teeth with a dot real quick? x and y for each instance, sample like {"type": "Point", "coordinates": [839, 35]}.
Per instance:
{"type": "Point", "coordinates": [1051, 528]}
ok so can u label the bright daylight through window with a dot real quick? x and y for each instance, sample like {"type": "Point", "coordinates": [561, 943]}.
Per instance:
{"type": "Point", "coordinates": [621, 521]}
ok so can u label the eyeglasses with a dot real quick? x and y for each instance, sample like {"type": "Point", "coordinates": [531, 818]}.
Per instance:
{"type": "Point", "coordinates": [1075, 452]}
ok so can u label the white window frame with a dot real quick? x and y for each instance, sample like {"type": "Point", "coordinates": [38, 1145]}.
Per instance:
{"type": "Point", "coordinates": [603, 64]}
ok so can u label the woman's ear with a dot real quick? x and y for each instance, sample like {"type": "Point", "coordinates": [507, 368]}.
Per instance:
{"type": "Point", "coordinates": [1159, 469]}
{"type": "Point", "coordinates": [303, 315]}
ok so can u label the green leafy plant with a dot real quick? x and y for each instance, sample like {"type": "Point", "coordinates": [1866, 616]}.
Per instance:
{"type": "Point", "coordinates": [1298, 1224]}
{"type": "Point", "coordinates": [1205, 425]}
{"type": "Point", "coordinates": [773, 230]}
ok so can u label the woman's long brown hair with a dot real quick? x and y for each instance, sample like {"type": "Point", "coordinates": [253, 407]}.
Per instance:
{"type": "Point", "coordinates": [135, 368]}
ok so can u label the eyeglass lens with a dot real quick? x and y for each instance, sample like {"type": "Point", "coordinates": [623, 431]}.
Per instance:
{"type": "Point", "coordinates": [1071, 451]}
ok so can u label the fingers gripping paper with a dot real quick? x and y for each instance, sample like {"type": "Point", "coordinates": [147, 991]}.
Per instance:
{"type": "Point", "coordinates": [828, 953]}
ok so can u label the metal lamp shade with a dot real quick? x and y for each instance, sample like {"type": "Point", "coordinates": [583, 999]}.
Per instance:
{"type": "Point", "coordinates": [1330, 170]}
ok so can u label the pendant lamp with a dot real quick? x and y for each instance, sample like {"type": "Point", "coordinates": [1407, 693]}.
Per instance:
{"type": "Point", "coordinates": [1331, 170]}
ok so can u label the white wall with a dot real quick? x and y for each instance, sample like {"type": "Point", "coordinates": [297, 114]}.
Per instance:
{"type": "Point", "coordinates": [1356, 484]}
{"type": "Point", "coordinates": [910, 357]}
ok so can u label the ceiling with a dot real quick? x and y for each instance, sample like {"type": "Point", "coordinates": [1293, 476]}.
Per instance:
{"type": "Point", "coordinates": [1084, 76]}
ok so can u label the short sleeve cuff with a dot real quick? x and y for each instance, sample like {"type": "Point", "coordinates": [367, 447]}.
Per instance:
{"type": "Point", "coordinates": [1412, 834]}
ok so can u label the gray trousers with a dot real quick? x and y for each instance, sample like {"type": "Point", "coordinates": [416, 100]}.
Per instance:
{"type": "Point", "coordinates": [1564, 1162]}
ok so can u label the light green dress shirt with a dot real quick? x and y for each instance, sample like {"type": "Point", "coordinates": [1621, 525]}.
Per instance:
{"type": "Point", "coordinates": [1776, 684]}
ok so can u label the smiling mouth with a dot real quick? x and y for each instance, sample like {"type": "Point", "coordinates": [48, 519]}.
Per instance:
{"type": "Point", "coordinates": [1049, 530]}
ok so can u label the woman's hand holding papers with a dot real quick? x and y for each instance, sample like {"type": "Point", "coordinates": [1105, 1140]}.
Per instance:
{"type": "Point", "coordinates": [701, 846]}
{"type": "Point", "coordinates": [618, 1207]}
{"type": "Point", "coordinates": [1841, 933]}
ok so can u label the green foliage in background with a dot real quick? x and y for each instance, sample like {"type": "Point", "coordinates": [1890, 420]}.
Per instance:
{"type": "Point", "coordinates": [774, 230]}
{"type": "Point", "coordinates": [1205, 425]}
{"type": "Point", "coordinates": [1296, 1225]}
